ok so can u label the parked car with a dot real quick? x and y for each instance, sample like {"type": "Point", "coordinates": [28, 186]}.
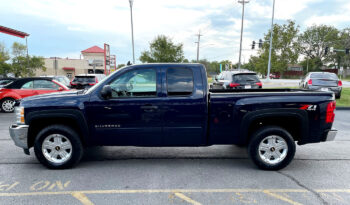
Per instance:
{"type": "Point", "coordinates": [170, 105]}
{"type": "Point", "coordinates": [60, 78]}
{"type": "Point", "coordinates": [25, 87]}
{"type": "Point", "coordinates": [323, 81]}
{"type": "Point", "coordinates": [275, 76]}
{"type": "Point", "coordinates": [239, 79]}
{"type": "Point", "coordinates": [6, 81]}
{"type": "Point", "coordinates": [83, 81]}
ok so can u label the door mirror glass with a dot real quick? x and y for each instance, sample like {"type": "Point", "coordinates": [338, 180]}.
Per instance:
{"type": "Point", "coordinates": [106, 92]}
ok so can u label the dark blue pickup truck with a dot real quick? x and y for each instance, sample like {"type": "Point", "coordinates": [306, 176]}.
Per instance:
{"type": "Point", "coordinates": [171, 105]}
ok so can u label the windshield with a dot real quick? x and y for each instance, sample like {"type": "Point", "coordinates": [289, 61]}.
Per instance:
{"type": "Point", "coordinates": [104, 79]}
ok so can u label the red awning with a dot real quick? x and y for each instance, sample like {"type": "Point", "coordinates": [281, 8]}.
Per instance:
{"type": "Point", "coordinates": [13, 32]}
{"type": "Point", "coordinates": [68, 68]}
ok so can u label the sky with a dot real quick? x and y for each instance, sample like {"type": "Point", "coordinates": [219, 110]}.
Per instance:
{"type": "Point", "coordinates": [64, 28]}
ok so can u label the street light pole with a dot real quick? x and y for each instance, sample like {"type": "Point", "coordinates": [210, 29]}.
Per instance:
{"type": "Point", "coordinates": [269, 64]}
{"type": "Point", "coordinates": [240, 45]}
{"type": "Point", "coordinates": [132, 31]}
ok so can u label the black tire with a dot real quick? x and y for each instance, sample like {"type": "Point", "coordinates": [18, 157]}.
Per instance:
{"type": "Point", "coordinates": [76, 152]}
{"type": "Point", "coordinates": [259, 136]}
{"type": "Point", "coordinates": [6, 100]}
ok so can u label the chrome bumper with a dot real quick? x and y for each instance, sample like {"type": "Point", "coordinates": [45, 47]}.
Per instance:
{"type": "Point", "coordinates": [19, 134]}
{"type": "Point", "coordinates": [331, 135]}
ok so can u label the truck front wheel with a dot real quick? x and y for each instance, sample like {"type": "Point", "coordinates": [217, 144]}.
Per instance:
{"type": "Point", "coordinates": [58, 147]}
{"type": "Point", "coordinates": [271, 148]}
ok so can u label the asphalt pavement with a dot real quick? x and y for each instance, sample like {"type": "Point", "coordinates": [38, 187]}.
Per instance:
{"type": "Point", "coordinates": [319, 174]}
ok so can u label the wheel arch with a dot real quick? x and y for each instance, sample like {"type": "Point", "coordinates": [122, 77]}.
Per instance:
{"type": "Point", "coordinates": [295, 121]}
{"type": "Point", "coordinates": [74, 119]}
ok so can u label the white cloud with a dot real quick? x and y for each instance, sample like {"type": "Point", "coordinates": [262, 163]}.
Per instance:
{"type": "Point", "coordinates": [180, 19]}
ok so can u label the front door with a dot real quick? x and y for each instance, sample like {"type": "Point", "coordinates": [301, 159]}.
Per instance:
{"type": "Point", "coordinates": [133, 115]}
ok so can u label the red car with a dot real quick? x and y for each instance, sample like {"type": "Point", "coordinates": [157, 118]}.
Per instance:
{"type": "Point", "coordinates": [25, 87]}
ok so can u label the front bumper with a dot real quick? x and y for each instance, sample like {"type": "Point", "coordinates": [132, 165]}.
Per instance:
{"type": "Point", "coordinates": [19, 134]}
{"type": "Point", "coordinates": [331, 135]}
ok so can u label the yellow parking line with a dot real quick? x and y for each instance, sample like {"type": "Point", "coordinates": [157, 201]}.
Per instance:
{"type": "Point", "coordinates": [186, 198]}
{"type": "Point", "coordinates": [140, 191]}
{"type": "Point", "coordinates": [82, 198]}
{"type": "Point", "coordinates": [280, 197]}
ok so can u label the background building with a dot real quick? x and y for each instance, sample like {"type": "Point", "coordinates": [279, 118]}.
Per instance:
{"type": "Point", "coordinates": [71, 67]}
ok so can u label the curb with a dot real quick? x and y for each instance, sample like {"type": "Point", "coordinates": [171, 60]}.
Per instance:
{"type": "Point", "coordinates": [342, 108]}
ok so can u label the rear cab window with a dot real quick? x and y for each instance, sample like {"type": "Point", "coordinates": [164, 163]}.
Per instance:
{"type": "Point", "coordinates": [179, 81]}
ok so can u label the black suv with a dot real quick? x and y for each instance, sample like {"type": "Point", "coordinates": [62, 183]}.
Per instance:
{"type": "Point", "coordinates": [238, 79]}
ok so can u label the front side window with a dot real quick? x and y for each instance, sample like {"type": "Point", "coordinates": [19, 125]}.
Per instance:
{"type": "Point", "coordinates": [179, 81]}
{"type": "Point", "coordinates": [45, 85]}
{"type": "Point", "coordinates": [135, 83]}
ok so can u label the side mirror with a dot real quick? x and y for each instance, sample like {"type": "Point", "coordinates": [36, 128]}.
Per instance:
{"type": "Point", "coordinates": [216, 78]}
{"type": "Point", "coordinates": [60, 89]}
{"type": "Point", "coordinates": [106, 92]}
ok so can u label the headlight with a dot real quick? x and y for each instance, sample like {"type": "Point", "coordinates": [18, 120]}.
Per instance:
{"type": "Point", "coordinates": [20, 115]}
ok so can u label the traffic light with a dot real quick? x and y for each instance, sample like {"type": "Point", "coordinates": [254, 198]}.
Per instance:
{"type": "Point", "coordinates": [347, 51]}
{"type": "Point", "coordinates": [260, 43]}
{"type": "Point", "coordinates": [326, 50]}
{"type": "Point", "coordinates": [253, 45]}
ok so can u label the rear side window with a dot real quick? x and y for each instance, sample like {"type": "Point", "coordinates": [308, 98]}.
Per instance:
{"type": "Point", "coordinates": [179, 81]}
{"type": "Point", "coordinates": [245, 78]}
{"type": "Point", "coordinates": [45, 85]}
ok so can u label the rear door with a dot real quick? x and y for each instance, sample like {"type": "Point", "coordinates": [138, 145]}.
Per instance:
{"type": "Point", "coordinates": [184, 107]}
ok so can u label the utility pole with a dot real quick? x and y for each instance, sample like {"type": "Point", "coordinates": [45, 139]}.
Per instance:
{"type": "Point", "coordinates": [199, 39]}
{"type": "Point", "coordinates": [269, 64]}
{"type": "Point", "coordinates": [240, 45]}
{"type": "Point", "coordinates": [132, 31]}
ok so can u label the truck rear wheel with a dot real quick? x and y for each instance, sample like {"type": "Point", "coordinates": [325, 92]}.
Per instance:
{"type": "Point", "coordinates": [271, 148]}
{"type": "Point", "coordinates": [58, 147]}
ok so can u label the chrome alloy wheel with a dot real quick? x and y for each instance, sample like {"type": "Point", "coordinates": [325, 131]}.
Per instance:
{"type": "Point", "coordinates": [273, 149]}
{"type": "Point", "coordinates": [57, 148]}
{"type": "Point", "coordinates": [8, 105]}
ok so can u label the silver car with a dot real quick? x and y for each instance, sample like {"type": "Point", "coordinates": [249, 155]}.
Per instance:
{"type": "Point", "coordinates": [323, 81]}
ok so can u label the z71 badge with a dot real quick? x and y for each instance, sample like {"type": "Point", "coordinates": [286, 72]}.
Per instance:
{"type": "Point", "coordinates": [308, 107]}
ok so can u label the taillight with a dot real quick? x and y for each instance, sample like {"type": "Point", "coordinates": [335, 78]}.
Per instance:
{"type": "Point", "coordinates": [232, 85]}
{"type": "Point", "coordinates": [96, 80]}
{"type": "Point", "coordinates": [340, 83]}
{"type": "Point", "coordinates": [92, 83]}
{"type": "Point", "coordinates": [259, 84]}
{"type": "Point", "coordinates": [330, 112]}
{"type": "Point", "coordinates": [309, 82]}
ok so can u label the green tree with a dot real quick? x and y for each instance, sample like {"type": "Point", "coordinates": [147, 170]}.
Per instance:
{"type": "Point", "coordinates": [23, 65]}
{"type": "Point", "coordinates": [285, 49]}
{"type": "Point", "coordinates": [314, 41]}
{"type": "Point", "coordinates": [163, 50]}
{"type": "Point", "coordinates": [4, 57]}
